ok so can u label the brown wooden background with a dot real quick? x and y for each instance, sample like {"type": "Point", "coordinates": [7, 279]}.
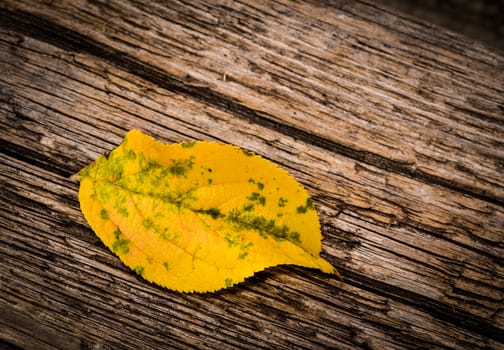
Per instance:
{"type": "Point", "coordinates": [395, 126]}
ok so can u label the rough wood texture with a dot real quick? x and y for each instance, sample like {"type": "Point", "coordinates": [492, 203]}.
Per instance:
{"type": "Point", "coordinates": [394, 126]}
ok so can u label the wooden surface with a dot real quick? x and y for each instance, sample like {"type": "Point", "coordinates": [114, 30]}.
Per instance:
{"type": "Point", "coordinates": [482, 20]}
{"type": "Point", "coordinates": [395, 127]}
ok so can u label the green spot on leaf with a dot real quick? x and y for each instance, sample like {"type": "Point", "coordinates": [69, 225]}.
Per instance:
{"type": "Point", "coordinates": [139, 269]}
{"type": "Point", "coordinates": [180, 167]}
{"type": "Point", "coordinates": [237, 240]}
{"type": "Point", "coordinates": [188, 144]}
{"type": "Point", "coordinates": [120, 244]}
{"type": "Point", "coordinates": [248, 153]}
{"type": "Point", "coordinates": [244, 247]}
{"type": "Point", "coordinates": [256, 197]}
{"type": "Point", "coordinates": [249, 207]}
{"type": "Point", "coordinates": [282, 202]}
{"type": "Point", "coordinates": [233, 240]}
{"type": "Point", "coordinates": [166, 266]}
{"type": "Point", "coordinates": [123, 211]}
{"type": "Point", "coordinates": [265, 227]}
{"type": "Point", "coordinates": [179, 198]}
{"type": "Point", "coordinates": [104, 215]}
{"type": "Point", "coordinates": [228, 282]}
{"type": "Point", "coordinates": [213, 212]}
{"type": "Point", "coordinates": [115, 166]}
{"type": "Point", "coordinates": [130, 155]}
{"type": "Point", "coordinates": [295, 237]}
{"type": "Point", "coordinates": [301, 209]}
{"type": "Point", "coordinates": [147, 224]}
{"type": "Point", "coordinates": [147, 164]}
{"type": "Point", "coordinates": [304, 208]}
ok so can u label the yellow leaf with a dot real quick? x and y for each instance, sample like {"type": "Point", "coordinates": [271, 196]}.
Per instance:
{"type": "Point", "coordinates": [198, 216]}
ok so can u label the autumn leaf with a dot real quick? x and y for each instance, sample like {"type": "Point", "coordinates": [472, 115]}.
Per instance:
{"type": "Point", "coordinates": [198, 216]}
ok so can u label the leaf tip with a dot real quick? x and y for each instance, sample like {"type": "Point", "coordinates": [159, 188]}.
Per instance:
{"type": "Point", "coordinates": [75, 177]}
{"type": "Point", "coordinates": [336, 272]}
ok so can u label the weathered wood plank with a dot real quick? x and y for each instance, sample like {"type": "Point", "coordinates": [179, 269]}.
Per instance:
{"type": "Point", "coordinates": [50, 140]}
{"type": "Point", "coordinates": [349, 77]}
{"type": "Point", "coordinates": [421, 254]}
{"type": "Point", "coordinates": [113, 302]}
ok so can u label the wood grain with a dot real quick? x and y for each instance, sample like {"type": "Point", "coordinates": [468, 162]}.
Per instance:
{"type": "Point", "coordinates": [394, 126]}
